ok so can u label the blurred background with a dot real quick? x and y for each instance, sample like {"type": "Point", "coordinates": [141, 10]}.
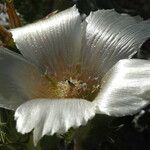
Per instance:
{"type": "Point", "coordinates": [103, 132]}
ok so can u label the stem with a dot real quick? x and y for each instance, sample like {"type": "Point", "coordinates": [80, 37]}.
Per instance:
{"type": "Point", "coordinates": [13, 17]}
{"type": "Point", "coordinates": [30, 145]}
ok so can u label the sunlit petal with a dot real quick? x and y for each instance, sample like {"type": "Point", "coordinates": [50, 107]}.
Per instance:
{"type": "Point", "coordinates": [47, 116]}
{"type": "Point", "coordinates": [111, 36]}
{"type": "Point", "coordinates": [125, 88]}
{"type": "Point", "coordinates": [52, 43]}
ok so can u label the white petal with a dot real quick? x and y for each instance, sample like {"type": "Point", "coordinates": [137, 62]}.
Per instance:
{"type": "Point", "coordinates": [47, 116]}
{"type": "Point", "coordinates": [110, 37]}
{"type": "Point", "coordinates": [125, 88]}
{"type": "Point", "coordinates": [52, 43]}
{"type": "Point", "coordinates": [16, 79]}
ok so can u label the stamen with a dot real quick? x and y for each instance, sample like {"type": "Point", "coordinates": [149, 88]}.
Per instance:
{"type": "Point", "coordinates": [65, 86]}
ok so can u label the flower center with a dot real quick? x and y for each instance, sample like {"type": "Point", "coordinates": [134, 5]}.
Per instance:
{"type": "Point", "coordinates": [67, 85]}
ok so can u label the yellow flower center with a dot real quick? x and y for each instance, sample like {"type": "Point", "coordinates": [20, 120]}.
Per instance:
{"type": "Point", "coordinates": [66, 85]}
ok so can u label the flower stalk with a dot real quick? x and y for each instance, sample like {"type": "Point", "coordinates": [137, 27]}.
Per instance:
{"type": "Point", "coordinates": [13, 17]}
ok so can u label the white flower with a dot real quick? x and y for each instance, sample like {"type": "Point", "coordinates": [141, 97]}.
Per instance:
{"type": "Point", "coordinates": [70, 71]}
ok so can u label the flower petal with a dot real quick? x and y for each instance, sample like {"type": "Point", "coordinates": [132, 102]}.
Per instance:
{"type": "Point", "coordinates": [110, 37]}
{"type": "Point", "coordinates": [125, 88]}
{"type": "Point", "coordinates": [16, 79]}
{"type": "Point", "coordinates": [52, 43]}
{"type": "Point", "coordinates": [47, 116]}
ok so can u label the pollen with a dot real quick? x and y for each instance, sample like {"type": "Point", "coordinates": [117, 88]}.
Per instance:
{"type": "Point", "coordinates": [68, 85]}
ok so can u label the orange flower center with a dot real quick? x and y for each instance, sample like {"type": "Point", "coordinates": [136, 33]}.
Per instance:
{"type": "Point", "coordinates": [71, 84]}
